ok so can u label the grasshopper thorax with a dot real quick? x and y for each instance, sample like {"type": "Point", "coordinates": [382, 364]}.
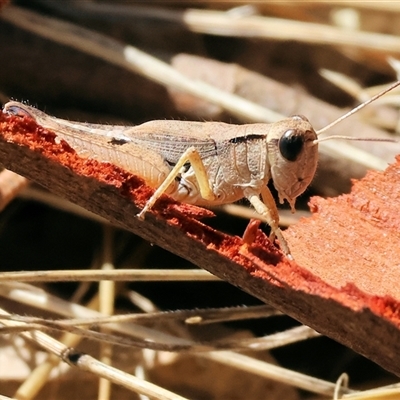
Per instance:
{"type": "Point", "coordinates": [293, 156]}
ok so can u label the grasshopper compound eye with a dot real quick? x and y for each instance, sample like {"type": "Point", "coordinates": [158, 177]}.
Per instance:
{"type": "Point", "coordinates": [291, 144]}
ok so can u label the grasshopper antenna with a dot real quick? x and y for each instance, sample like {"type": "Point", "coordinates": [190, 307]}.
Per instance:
{"type": "Point", "coordinates": [353, 111]}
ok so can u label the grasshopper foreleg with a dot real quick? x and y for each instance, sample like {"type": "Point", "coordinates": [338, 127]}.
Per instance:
{"type": "Point", "coordinates": [267, 209]}
{"type": "Point", "coordinates": [192, 156]}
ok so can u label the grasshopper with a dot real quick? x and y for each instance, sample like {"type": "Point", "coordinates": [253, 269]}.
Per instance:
{"type": "Point", "coordinates": [205, 163]}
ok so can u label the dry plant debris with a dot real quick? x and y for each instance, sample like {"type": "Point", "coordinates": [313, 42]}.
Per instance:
{"type": "Point", "coordinates": [335, 285]}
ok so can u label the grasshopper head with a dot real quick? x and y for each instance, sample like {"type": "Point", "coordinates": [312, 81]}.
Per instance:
{"type": "Point", "coordinates": [293, 157]}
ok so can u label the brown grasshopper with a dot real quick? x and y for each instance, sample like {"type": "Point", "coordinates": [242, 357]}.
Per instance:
{"type": "Point", "coordinates": [205, 163]}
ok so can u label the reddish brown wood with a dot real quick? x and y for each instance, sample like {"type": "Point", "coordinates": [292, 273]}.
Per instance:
{"type": "Point", "coordinates": [344, 283]}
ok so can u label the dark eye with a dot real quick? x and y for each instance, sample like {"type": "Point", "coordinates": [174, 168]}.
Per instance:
{"type": "Point", "coordinates": [291, 144]}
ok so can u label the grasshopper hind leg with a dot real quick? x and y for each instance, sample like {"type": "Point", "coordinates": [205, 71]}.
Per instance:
{"type": "Point", "coordinates": [192, 156]}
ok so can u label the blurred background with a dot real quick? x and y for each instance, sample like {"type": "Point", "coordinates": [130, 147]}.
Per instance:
{"type": "Point", "coordinates": [314, 58]}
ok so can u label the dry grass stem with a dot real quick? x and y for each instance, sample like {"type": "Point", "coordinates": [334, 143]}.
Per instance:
{"type": "Point", "coordinates": [106, 306]}
{"type": "Point", "coordinates": [40, 375]}
{"type": "Point", "coordinates": [221, 23]}
{"type": "Point", "coordinates": [90, 364]}
{"type": "Point", "coordinates": [192, 317]}
{"type": "Point", "coordinates": [369, 5]}
{"type": "Point", "coordinates": [35, 297]}
{"type": "Point", "coordinates": [274, 372]}
{"type": "Point", "coordinates": [348, 152]}
{"type": "Point", "coordinates": [125, 275]}
{"type": "Point", "coordinates": [384, 393]}
{"type": "Point", "coordinates": [134, 60]}
{"type": "Point", "coordinates": [85, 68]}
{"type": "Point", "coordinates": [347, 84]}
{"type": "Point", "coordinates": [255, 344]}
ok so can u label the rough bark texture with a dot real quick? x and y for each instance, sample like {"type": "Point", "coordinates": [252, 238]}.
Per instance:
{"type": "Point", "coordinates": [344, 281]}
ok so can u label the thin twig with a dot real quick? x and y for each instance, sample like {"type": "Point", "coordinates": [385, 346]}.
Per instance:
{"type": "Point", "coordinates": [133, 60]}
{"type": "Point", "coordinates": [35, 297]}
{"type": "Point", "coordinates": [268, 342]}
{"type": "Point", "coordinates": [274, 372]}
{"type": "Point", "coordinates": [90, 364]}
{"type": "Point", "coordinates": [124, 275]}
{"type": "Point", "coordinates": [40, 375]}
{"type": "Point", "coordinates": [221, 23]}
{"type": "Point", "coordinates": [106, 306]}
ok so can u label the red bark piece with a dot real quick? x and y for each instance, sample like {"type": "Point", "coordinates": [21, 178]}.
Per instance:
{"type": "Point", "coordinates": [355, 238]}
{"type": "Point", "coordinates": [344, 280]}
